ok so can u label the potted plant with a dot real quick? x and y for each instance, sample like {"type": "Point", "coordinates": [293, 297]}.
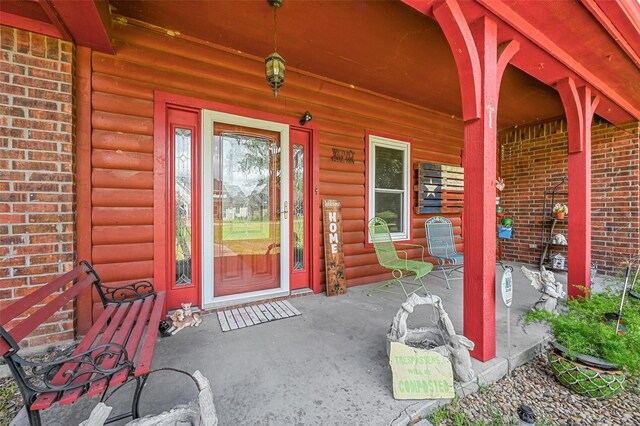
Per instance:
{"type": "Point", "coordinates": [560, 210]}
{"type": "Point", "coordinates": [587, 355]}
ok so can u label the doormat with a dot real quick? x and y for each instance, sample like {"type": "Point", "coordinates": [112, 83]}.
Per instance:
{"type": "Point", "coordinates": [234, 319]}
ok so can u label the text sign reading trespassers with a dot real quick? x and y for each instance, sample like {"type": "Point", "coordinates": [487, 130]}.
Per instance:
{"type": "Point", "coordinates": [420, 374]}
{"type": "Point", "coordinates": [333, 252]}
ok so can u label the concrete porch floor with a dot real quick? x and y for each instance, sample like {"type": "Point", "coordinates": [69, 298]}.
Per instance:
{"type": "Point", "coordinates": [328, 366]}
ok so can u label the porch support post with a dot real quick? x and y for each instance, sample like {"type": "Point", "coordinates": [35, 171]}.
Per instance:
{"type": "Point", "coordinates": [480, 65]}
{"type": "Point", "coordinates": [579, 108]}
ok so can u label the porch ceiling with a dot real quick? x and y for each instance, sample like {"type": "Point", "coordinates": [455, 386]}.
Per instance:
{"type": "Point", "coordinates": [383, 46]}
{"type": "Point", "coordinates": [391, 47]}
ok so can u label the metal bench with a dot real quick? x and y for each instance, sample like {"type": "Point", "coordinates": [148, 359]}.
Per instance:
{"type": "Point", "coordinates": [117, 348]}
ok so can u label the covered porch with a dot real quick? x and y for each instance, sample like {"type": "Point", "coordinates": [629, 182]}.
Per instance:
{"type": "Point", "coordinates": [361, 68]}
{"type": "Point", "coordinates": [328, 366]}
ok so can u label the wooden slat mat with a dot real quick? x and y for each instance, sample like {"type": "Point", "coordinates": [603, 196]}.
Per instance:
{"type": "Point", "coordinates": [234, 319]}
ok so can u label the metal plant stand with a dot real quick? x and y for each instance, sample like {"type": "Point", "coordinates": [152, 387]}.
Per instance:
{"type": "Point", "coordinates": [549, 224]}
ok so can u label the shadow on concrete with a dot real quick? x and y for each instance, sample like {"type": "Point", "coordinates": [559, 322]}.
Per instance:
{"type": "Point", "coordinates": [326, 367]}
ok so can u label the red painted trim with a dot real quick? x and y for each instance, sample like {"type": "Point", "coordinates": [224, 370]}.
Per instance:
{"type": "Point", "coordinates": [170, 117]}
{"type": "Point", "coordinates": [88, 22]}
{"type": "Point", "coordinates": [367, 134]}
{"type": "Point", "coordinates": [28, 24]}
{"type": "Point", "coordinates": [579, 109]}
{"type": "Point", "coordinates": [316, 229]}
{"type": "Point", "coordinates": [506, 52]}
{"type": "Point", "coordinates": [454, 25]}
{"type": "Point", "coordinates": [184, 118]}
{"type": "Point", "coordinates": [596, 10]}
{"type": "Point", "coordinates": [521, 25]}
{"type": "Point", "coordinates": [163, 98]}
{"type": "Point", "coordinates": [160, 238]}
{"type": "Point", "coordinates": [480, 70]}
{"type": "Point", "coordinates": [83, 180]}
{"type": "Point", "coordinates": [302, 278]}
{"type": "Point", "coordinates": [53, 16]}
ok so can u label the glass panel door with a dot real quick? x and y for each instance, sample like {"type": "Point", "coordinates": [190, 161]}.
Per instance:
{"type": "Point", "coordinates": [246, 209]}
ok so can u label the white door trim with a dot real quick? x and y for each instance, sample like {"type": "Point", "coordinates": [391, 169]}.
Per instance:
{"type": "Point", "coordinates": [208, 119]}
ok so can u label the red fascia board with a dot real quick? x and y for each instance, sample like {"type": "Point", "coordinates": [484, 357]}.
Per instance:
{"type": "Point", "coordinates": [625, 16]}
{"type": "Point", "coordinates": [28, 24]}
{"type": "Point", "coordinates": [519, 24]}
{"type": "Point", "coordinates": [88, 21]}
{"type": "Point", "coordinates": [630, 42]}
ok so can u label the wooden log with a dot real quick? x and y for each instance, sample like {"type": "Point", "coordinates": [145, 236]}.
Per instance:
{"type": "Point", "coordinates": [110, 216]}
{"type": "Point", "coordinates": [126, 271]}
{"type": "Point", "coordinates": [106, 197]}
{"type": "Point", "coordinates": [118, 104]}
{"type": "Point", "coordinates": [110, 235]}
{"type": "Point", "coordinates": [121, 86]}
{"type": "Point", "coordinates": [328, 190]}
{"type": "Point", "coordinates": [342, 177]}
{"type": "Point", "coordinates": [124, 179]}
{"type": "Point", "coordinates": [121, 123]}
{"type": "Point", "coordinates": [121, 253]}
{"type": "Point", "coordinates": [101, 139]}
{"type": "Point", "coordinates": [122, 160]}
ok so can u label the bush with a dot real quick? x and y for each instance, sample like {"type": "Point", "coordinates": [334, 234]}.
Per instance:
{"type": "Point", "coordinates": [582, 329]}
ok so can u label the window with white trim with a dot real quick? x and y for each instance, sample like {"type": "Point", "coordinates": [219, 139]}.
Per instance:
{"type": "Point", "coordinates": [389, 184]}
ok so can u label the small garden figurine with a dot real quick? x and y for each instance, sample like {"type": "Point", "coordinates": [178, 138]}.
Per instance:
{"type": "Point", "coordinates": [560, 210]}
{"type": "Point", "coordinates": [545, 282]}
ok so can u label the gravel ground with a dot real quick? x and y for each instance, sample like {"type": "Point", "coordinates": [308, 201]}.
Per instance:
{"type": "Point", "coordinates": [533, 384]}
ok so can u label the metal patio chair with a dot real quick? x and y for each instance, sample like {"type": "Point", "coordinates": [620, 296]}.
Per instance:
{"type": "Point", "coordinates": [441, 244]}
{"type": "Point", "coordinates": [401, 267]}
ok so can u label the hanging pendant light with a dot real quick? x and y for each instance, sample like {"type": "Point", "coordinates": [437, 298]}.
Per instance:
{"type": "Point", "coordinates": [274, 63]}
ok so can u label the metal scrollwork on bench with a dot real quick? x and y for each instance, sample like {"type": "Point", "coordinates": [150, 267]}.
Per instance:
{"type": "Point", "coordinates": [120, 294]}
{"type": "Point", "coordinates": [38, 376]}
{"type": "Point", "coordinates": [125, 293]}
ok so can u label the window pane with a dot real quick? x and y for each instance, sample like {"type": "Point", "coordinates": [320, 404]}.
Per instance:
{"type": "Point", "coordinates": [182, 145]}
{"type": "Point", "coordinates": [389, 168]}
{"type": "Point", "coordinates": [298, 208]}
{"type": "Point", "coordinates": [389, 207]}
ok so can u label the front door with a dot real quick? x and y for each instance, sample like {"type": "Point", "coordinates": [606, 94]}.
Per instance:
{"type": "Point", "coordinates": [245, 208]}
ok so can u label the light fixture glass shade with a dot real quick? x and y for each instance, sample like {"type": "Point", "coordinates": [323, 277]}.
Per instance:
{"type": "Point", "coordinates": [275, 71]}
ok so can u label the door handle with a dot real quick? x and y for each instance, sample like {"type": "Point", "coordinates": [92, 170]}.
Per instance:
{"type": "Point", "coordinates": [286, 210]}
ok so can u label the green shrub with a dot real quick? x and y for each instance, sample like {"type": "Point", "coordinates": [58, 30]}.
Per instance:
{"type": "Point", "coordinates": [582, 329]}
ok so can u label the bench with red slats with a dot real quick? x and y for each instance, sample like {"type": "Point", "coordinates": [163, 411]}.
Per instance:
{"type": "Point", "coordinates": [118, 347]}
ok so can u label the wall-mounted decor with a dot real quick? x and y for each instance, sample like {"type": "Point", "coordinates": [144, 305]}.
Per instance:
{"type": "Point", "coordinates": [440, 188]}
{"type": "Point", "coordinates": [342, 155]}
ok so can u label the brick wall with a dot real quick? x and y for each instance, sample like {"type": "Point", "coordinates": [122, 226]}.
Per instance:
{"type": "Point", "coordinates": [36, 170]}
{"type": "Point", "coordinates": [535, 158]}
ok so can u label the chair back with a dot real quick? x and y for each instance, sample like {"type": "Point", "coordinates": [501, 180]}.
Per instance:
{"type": "Point", "coordinates": [382, 241]}
{"type": "Point", "coordinates": [440, 242]}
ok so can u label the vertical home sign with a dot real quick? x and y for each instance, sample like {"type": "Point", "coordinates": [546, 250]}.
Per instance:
{"type": "Point", "coordinates": [333, 251]}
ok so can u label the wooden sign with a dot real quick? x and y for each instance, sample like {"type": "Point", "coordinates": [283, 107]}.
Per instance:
{"type": "Point", "coordinates": [333, 251]}
{"type": "Point", "coordinates": [440, 188]}
{"type": "Point", "coordinates": [420, 374]}
{"type": "Point", "coordinates": [342, 155]}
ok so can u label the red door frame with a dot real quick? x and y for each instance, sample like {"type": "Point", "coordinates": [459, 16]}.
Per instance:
{"type": "Point", "coordinates": [165, 100]}
{"type": "Point", "coordinates": [183, 118]}
{"type": "Point", "coordinates": [301, 137]}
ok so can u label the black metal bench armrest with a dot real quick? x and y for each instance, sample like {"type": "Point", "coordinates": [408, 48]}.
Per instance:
{"type": "Point", "coordinates": [86, 366]}
{"type": "Point", "coordinates": [120, 294]}
{"type": "Point", "coordinates": [125, 293]}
